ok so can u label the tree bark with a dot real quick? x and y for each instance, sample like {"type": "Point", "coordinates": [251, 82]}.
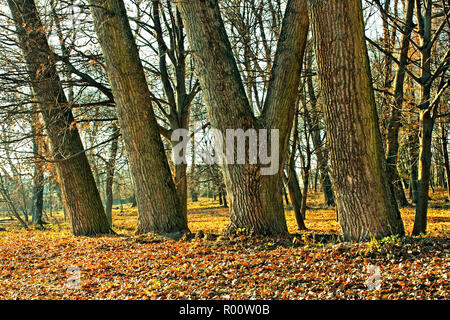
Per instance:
{"type": "Point", "coordinates": [444, 135]}
{"type": "Point", "coordinates": [159, 206]}
{"type": "Point", "coordinates": [38, 188]}
{"type": "Point", "coordinates": [110, 170]}
{"type": "Point", "coordinates": [365, 205]}
{"type": "Point", "coordinates": [38, 179]}
{"type": "Point", "coordinates": [426, 120]}
{"type": "Point", "coordinates": [393, 128]}
{"type": "Point", "coordinates": [256, 202]}
{"type": "Point", "coordinates": [426, 134]}
{"type": "Point", "coordinates": [321, 152]}
{"type": "Point", "coordinates": [413, 141]}
{"type": "Point", "coordinates": [295, 193]}
{"type": "Point", "coordinates": [79, 191]}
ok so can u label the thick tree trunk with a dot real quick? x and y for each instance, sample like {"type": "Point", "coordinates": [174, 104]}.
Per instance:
{"type": "Point", "coordinates": [159, 206]}
{"type": "Point", "coordinates": [255, 200]}
{"type": "Point", "coordinates": [79, 191]}
{"type": "Point", "coordinates": [365, 205]}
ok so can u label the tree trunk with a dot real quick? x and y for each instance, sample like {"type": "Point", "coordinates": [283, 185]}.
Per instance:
{"type": "Point", "coordinates": [286, 199]}
{"type": "Point", "coordinates": [111, 166]}
{"type": "Point", "coordinates": [306, 180]}
{"type": "Point", "coordinates": [38, 179]}
{"type": "Point", "coordinates": [393, 128]}
{"type": "Point", "coordinates": [225, 202]}
{"type": "Point", "coordinates": [181, 186]}
{"type": "Point", "coordinates": [426, 122]}
{"type": "Point", "coordinates": [255, 200]}
{"type": "Point", "coordinates": [133, 200]}
{"type": "Point", "coordinates": [413, 142]}
{"type": "Point", "coordinates": [321, 152]}
{"type": "Point", "coordinates": [175, 90]}
{"type": "Point", "coordinates": [159, 206]}
{"type": "Point", "coordinates": [79, 191]}
{"type": "Point", "coordinates": [365, 205]}
{"type": "Point", "coordinates": [295, 193]}
{"type": "Point", "coordinates": [444, 134]}
{"type": "Point", "coordinates": [426, 134]}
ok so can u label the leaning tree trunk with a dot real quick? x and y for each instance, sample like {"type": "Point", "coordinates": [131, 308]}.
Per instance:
{"type": "Point", "coordinates": [157, 200]}
{"type": "Point", "coordinates": [365, 205]}
{"type": "Point", "coordinates": [256, 202]}
{"type": "Point", "coordinates": [79, 191]}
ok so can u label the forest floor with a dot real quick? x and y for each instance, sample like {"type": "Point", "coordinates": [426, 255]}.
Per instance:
{"type": "Point", "coordinates": [52, 264]}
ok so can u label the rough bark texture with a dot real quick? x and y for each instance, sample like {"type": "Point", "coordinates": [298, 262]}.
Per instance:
{"type": "Point", "coordinates": [365, 205]}
{"type": "Point", "coordinates": [79, 191]}
{"type": "Point", "coordinates": [256, 202]}
{"type": "Point", "coordinates": [158, 204]}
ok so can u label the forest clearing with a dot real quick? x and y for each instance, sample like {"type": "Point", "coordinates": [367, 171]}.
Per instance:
{"type": "Point", "coordinates": [211, 266]}
{"type": "Point", "coordinates": [224, 150]}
